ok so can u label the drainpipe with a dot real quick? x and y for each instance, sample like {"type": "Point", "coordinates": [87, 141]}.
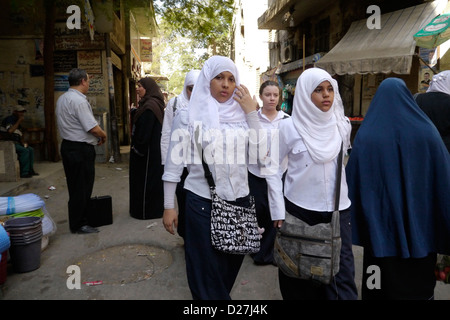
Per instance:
{"type": "Point", "coordinates": [113, 136]}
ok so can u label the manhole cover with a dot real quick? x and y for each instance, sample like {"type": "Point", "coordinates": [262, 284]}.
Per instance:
{"type": "Point", "coordinates": [124, 264]}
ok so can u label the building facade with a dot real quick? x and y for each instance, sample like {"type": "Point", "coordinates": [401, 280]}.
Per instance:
{"type": "Point", "coordinates": [250, 51]}
{"type": "Point", "coordinates": [359, 42]}
{"type": "Point", "coordinates": [107, 38]}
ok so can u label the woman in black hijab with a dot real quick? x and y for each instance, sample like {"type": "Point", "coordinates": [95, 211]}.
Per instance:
{"type": "Point", "coordinates": [146, 186]}
{"type": "Point", "coordinates": [398, 176]}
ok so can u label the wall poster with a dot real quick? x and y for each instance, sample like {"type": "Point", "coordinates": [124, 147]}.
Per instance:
{"type": "Point", "coordinates": [91, 61]}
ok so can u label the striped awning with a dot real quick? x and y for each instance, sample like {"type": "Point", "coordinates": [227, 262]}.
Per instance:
{"type": "Point", "coordinates": [384, 50]}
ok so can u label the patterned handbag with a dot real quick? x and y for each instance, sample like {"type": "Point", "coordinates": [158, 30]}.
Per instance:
{"type": "Point", "coordinates": [234, 227]}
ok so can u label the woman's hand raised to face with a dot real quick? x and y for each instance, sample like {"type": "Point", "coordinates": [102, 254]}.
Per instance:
{"type": "Point", "coordinates": [243, 96]}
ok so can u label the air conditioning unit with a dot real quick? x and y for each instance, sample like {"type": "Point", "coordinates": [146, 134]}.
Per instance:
{"type": "Point", "coordinates": [287, 52]}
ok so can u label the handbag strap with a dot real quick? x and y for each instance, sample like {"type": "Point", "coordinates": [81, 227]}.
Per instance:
{"type": "Point", "coordinates": [208, 174]}
{"type": "Point", "coordinates": [338, 179]}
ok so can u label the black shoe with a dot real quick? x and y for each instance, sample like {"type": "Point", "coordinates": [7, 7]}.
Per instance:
{"type": "Point", "coordinates": [87, 229]}
{"type": "Point", "coordinates": [34, 173]}
{"type": "Point", "coordinates": [26, 176]}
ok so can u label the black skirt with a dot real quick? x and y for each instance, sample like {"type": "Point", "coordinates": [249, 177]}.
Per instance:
{"type": "Point", "coordinates": [393, 278]}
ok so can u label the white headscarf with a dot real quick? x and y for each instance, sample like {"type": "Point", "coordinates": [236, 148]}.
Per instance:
{"type": "Point", "coordinates": [189, 80]}
{"type": "Point", "coordinates": [322, 132]}
{"type": "Point", "coordinates": [440, 82]}
{"type": "Point", "coordinates": [203, 107]}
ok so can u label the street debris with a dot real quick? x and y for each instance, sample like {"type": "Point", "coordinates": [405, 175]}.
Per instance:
{"type": "Point", "coordinates": [93, 283]}
{"type": "Point", "coordinates": [151, 225]}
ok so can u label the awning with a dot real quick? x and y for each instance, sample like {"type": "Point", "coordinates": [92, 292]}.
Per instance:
{"type": "Point", "coordinates": [388, 49]}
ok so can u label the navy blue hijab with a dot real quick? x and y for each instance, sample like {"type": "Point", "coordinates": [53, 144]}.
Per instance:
{"type": "Point", "coordinates": [398, 177]}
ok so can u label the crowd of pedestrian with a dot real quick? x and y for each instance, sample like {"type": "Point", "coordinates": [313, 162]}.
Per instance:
{"type": "Point", "coordinates": [393, 192]}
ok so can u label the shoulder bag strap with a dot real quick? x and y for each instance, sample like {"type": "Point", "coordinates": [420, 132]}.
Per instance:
{"type": "Point", "coordinates": [338, 179]}
{"type": "Point", "coordinates": [208, 174]}
{"type": "Point", "coordinates": [175, 106]}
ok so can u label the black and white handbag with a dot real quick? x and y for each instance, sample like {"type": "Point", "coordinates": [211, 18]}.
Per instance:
{"type": "Point", "coordinates": [234, 227]}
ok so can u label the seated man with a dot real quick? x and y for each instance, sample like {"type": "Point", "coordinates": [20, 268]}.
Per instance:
{"type": "Point", "coordinates": [12, 124]}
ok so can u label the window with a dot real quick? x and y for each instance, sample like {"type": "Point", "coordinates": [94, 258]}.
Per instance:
{"type": "Point", "coordinates": [322, 35]}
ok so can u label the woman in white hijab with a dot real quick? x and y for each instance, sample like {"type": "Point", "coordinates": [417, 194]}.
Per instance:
{"type": "Point", "coordinates": [312, 139]}
{"type": "Point", "coordinates": [213, 108]}
{"type": "Point", "coordinates": [436, 104]}
{"type": "Point", "coordinates": [173, 108]}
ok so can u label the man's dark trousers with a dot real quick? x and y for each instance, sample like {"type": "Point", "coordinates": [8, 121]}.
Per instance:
{"type": "Point", "coordinates": [79, 167]}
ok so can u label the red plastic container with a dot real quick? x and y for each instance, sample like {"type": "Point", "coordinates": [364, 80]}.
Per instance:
{"type": "Point", "coordinates": [3, 267]}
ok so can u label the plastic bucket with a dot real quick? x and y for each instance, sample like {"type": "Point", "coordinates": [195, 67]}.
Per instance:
{"type": "Point", "coordinates": [15, 230]}
{"type": "Point", "coordinates": [24, 234]}
{"type": "Point", "coordinates": [22, 222]}
{"type": "Point", "coordinates": [26, 257]}
{"type": "Point", "coordinates": [26, 238]}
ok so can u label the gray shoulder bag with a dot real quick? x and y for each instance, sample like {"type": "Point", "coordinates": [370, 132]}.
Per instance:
{"type": "Point", "coordinates": [311, 252]}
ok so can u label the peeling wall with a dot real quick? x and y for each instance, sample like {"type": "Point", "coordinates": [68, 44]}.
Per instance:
{"type": "Point", "coordinates": [22, 79]}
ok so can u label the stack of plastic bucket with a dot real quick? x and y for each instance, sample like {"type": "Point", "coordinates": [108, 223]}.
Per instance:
{"type": "Point", "coordinates": [26, 236]}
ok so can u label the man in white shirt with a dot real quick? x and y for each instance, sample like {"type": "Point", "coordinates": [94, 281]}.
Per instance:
{"type": "Point", "coordinates": [80, 133]}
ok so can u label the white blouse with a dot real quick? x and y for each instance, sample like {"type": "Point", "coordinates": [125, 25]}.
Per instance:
{"type": "Point", "coordinates": [167, 128]}
{"type": "Point", "coordinates": [271, 127]}
{"type": "Point", "coordinates": [229, 169]}
{"type": "Point", "coordinates": [308, 184]}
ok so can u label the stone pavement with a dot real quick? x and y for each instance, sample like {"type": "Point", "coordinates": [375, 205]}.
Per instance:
{"type": "Point", "coordinates": [133, 259]}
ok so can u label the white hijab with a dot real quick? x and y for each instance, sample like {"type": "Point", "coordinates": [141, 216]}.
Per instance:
{"type": "Point", "coordinates": [203, 107]}
{"type": "Point", "coordinates": [322, 132]}
{"type": "Point", "coordinates": [440, 82]}
{"type": "Point", "coordinates": [189, 80]}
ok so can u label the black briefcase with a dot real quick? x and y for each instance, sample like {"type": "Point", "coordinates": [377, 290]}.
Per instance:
{"type": "Point", "coordinates": [100, 211]}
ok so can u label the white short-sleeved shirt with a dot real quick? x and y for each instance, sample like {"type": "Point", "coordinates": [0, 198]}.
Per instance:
{"type": "Point", "coordinates": [75, 118]}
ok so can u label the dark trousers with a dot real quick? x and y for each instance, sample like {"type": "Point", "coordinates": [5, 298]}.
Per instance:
{"type": "Point", "coordinates": [398, 278]}
{"type": "Point", "coordinates": [26, 159]}
{"type": "Point", "coordinates": [211, 274]}
{"type": "Point", "coordinates": [343, 286]}
{"type": "Point", "coordinates": [79, 166]}
{"type": "Point", "coordinates": [258, 188]}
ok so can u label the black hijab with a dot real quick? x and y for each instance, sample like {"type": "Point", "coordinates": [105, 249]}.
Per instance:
{"type": "Point", "coordinates": [398, 177]}
{"type": "Point", "coordinates": [152, 100]}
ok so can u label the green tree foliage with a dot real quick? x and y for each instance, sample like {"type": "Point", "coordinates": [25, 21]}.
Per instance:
{"type": "Point", "coordinates": [191, 31]}
{"type": "Point", "coordinates": [174, 56]}
{"type": "Point", "coordinates": [206, 22]}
